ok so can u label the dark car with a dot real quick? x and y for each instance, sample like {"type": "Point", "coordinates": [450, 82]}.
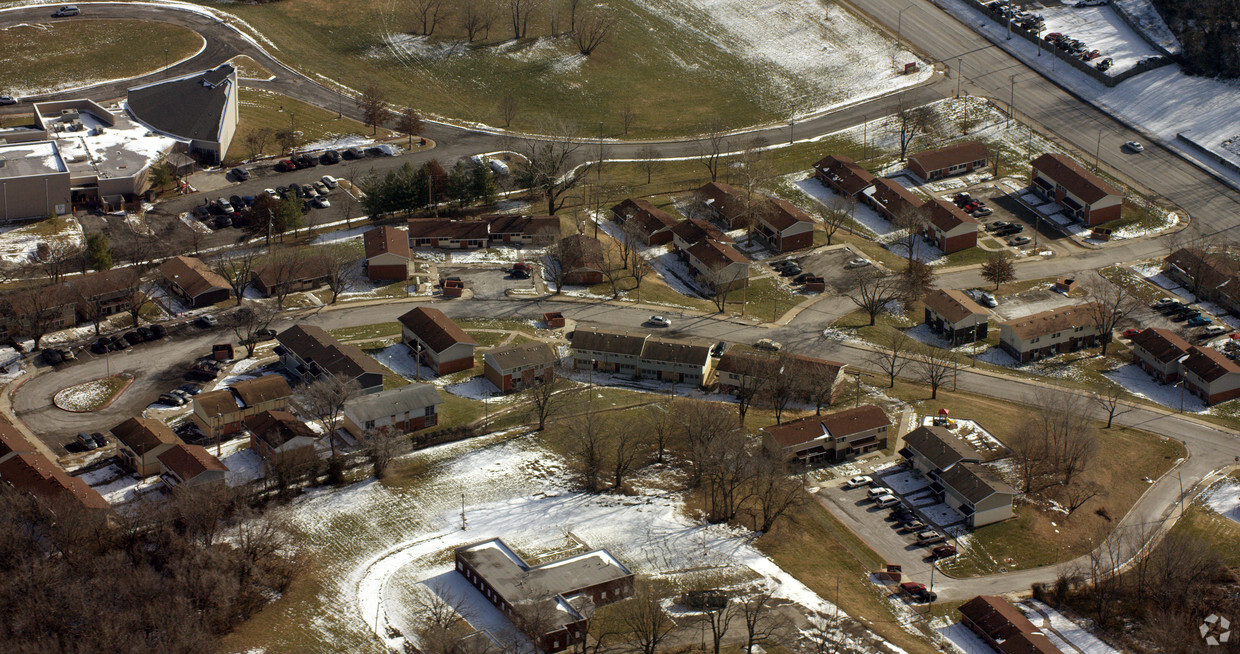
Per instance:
{"type": "Point", "coordinates": [99, 439]}
{"type": "Point", "coordinates": [159, 331]}
{"type": "Point", "coordinates": [286, 166]}
{"type": "Point", "coordinates": [247, 200]}
{"type": "Point", "coordinates": [171, 400]}
{"type": "Point", "coordinates": [944, 551]}
{"type": "Point", "coordinates": [265, 334]}
{"type": "Point", "coordinates": [790, 271]}
{"type": "Point", "coordinates": [800, 279]}
{"type": "Point", "coordinates": [85, 441]}
{"type": "Point", "coordinates": [146, 333]}
{"type": "Point", "coordinates": [133, 337]}
{"type": "Point", "coordinates": [100, 346]}
{"type": "Point", "coordinates": [221, 222]}
{"type": "Point", "coordinates": [306, 161]}
{"type": "Point", "coordinates": [119, 343]}
{"type": "Point", "coordinates": [52, 357]}
{"type": "Point", "coordinates": [200, 213]}
{"type": "Point", "coordinates": [719, 349]}
{"type": "Point", "coordinates": [240, 174]}
{"type": "Point", "coordinates": [918, 592]}
{"type": "Point", "coordinates": [192, 389]}
{"type": "Point", "coordinates": [201, 375]}
{"type": "Point", "coordinates": [330, 157]}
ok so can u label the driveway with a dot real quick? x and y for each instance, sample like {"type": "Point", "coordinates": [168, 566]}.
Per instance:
{"type": "Point", "coordinates": [829, 264]}
{"type": "Point", "coordinates": [488, 283]}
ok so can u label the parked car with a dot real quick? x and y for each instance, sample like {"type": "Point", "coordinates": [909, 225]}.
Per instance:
{"type": "Point", "coordinates": [52, 356]}
{"type": "Point", "coordinates": [265, 334]}
{"type": "Point", "coordinates": [857, 263]}
{"type": "Point", "coordinates": [857, 482]}
{"type": "Point", "coordinates": [988, 300]}
{"type": "Point", "coordinates": [306, 161]}
{"type": "Point", "coordinates": [1165, 302]}
{"type": "Point", "coordinates": [321, 188]}
{"type": "Point", "coordinates": [159, 331]}
{"type": "Point", "coordinates": [133, 337]}
{"type": "Point", "coordinates": [119, 343]}
{"type": "Point", "coordinates": [171, 400]}
{"type": "Point", "coordinates": [330, 157]}
{"type": "Point", "coordinates": [886, 501]}
{"type": "Point", "coordinates": [929, 536]}
{"type": "Point", "coordinates": [901, 514]}
{"type": "Point", "coordinates": [996, 225]}
{"type": "Point", "coordinates": [1019, 240]}
{"type": "Point", "coordinates": [913, 525]}
{"type": "Point", "coordinates": [307, 191]}
{"type": "Point", "coordinates": [286, 166]}
{"type": "Point", "coordinates": [768, 344]}
{"type": "Point", "coordinates": [192, 389]}
{"type": "Point", "coordinates": [206, 321]}
{"type": "Point", "coordinates": [240, 174]}
{"type": "Point", "coordinates": [918, 592]}
{"type": "Point", "coordinates": [1052, 37]}
{"type": "Point", "coordinates": [719, 348]}
{"type": "Point", "coordinates": [1105, 64]}
{"type": "Point", "coordinates": [67, 10]}
{"type": "Point", "coordinates": [944, 551]}
{"type": "Point", "coordinates": [1131, 331]}
{"type": "Point", "coordinates": [1133, 146]}
{"type": "Point", "coordinates": [85, 441]}
{"type": "Point", "coordinates": [99, 439]}
{"type": "Point", "coordinates": [224, 205]}
{"type": "Point", "coordinates": [100, 346]}
{"type": "Point", "coordinates": [1198, 321]}
{"type": "Point", "coordinates": [321, 202]}
{"type": "Point", "coordinates": [984, 211]}
{"type": "Point", "coordinates": [1216, 330]}
{"type": "Point", "coordinates": [659, 321]}
{"type": "Point", "coordinates": [791, 270]}
{"type": "Point", "coordinates": [354, 153]}
{"type": "Point", "coordinates": [7, 100]}
{"type": "Point", "coordinates": [329, 181]}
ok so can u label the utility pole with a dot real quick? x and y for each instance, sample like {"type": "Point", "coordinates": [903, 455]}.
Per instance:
{"type": "Point", "coordinates": [463, 521]}
{"type": "Point", "coordinates": [857, 401]}
{"type": "Point", "coordinates": [165, 57]}
{"type": "Point", "coordinates": [959, 74]}
{"type": "Point", "coordinates": [1011, 101]}
{"type": "Point", "coordinates": [1098, 149]}
{"type": "Point", "coordinates": [599, 174]}
{"type": "Point", "coordinates": [899, 24]}
{"type": "Point", "coordinates": [791, 126]}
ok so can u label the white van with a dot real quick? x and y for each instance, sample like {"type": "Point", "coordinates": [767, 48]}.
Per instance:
{"type": "Point", "coordinates": [877, 492]}
{"type": "Point", "coordinates": [887, 501]}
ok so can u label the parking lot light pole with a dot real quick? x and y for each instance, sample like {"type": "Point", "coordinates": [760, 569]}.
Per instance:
{"type": "Point", "coordinates": [899, 24]}
{"type": "Point", "coordinates": [959, 74]}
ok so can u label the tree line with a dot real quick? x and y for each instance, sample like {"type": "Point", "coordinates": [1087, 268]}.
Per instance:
{"type": "Point", "coordinates": [1209, 34]}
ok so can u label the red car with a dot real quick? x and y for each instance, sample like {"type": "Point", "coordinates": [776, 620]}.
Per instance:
{"type": "Point", "coordinates": [944, 551]}
{"type": "Point", "coordinates": [1130, 332]}
{"type": "Point", "coordinates": [918, 591]}
{"type": "Point", "coordinates": [1092, 54]}
{"type": "Point", "coordinates": [286, 166]}
{"type": "Point", "coordinates": [1053, 36]}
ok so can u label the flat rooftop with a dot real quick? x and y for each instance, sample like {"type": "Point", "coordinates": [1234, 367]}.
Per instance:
{"type": "Point", "coordinates": [27, 159]}
{"type": "Point", "coordinates": [122, 149]}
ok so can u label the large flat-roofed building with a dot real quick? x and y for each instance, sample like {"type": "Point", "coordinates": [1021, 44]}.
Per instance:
{"type": "Point", "coordinates": [200, 108]}
{"type": "Point", "coordinates": [548, 598]}
{"type": "Point", "coordinates": [34, 180]}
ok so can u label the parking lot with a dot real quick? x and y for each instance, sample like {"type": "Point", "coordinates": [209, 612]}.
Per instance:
{"type": "Point", "coordinates": [487, 283]}
{"type": "Point", "coordinates": [831, 265]}
{"type": "Point", "coordinates": [1007, 210]}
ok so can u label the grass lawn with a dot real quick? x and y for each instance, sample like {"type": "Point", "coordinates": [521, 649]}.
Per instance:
{"type": "Point", "coordinates": [87, 51]}
{"type": "Point", "coordinates": [375, 331]}
{"type": "Point", "coordinates": [249, 69]}
{"type": "Point", "coordinates": [1135, 284]}
{"type": "Point", "coordinates": [263, 109]}
{"type": "Point", "coordinates": [1221, 534]}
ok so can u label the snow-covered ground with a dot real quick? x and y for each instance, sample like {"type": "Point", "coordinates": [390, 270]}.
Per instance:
{"type": "Point", "coordinates": [1067, 635]}
{"type": "Point", "coordinates": [1163, 102]}
{"type": "Point", "coordinates": [480, 388]}
{"type": "Point", "coordinates": [18, 245]}
{"type": "Point", "coordinates": [972, 433]}
{"type": "Point", "coordinates": [1143, 13]}
{"type": "Point", "coordinates": [390, 545]}
{"type": "Point", "coordinates": [1099, 28]}
{"type": "Point", "coordinates": [964, 640]}
{"type": "Point", "coordinates": [86, 396]}
{"type": "Point", "coordinates": [1137, 382]}
{"type": "Point", "coordinates": [1224, 499]}
{"type": "Point", "coordinates": [870, 219]}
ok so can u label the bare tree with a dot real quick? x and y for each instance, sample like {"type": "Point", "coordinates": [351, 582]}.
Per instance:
{"type": "Point", "coordinates": [442, 619]}
{"type": "Point", "coordinates": [1031, 457]}
{"type": "Point", "coordinates": [430, 14]}
{"type": "Point", "coordinates": [762, 622]}
{"type": "Point", "coordinates": [55, 256]}
{"type": "Point", "coordinates": [816, 382]}
{"type": "Point", "coordinates": [596, 26]}
{"type": "Point", "coordinates": [338, 262]}
{"type": "Point", "coordinates": [613, 270]}
{"type": "Point", "coordinates": [659, 423]}
{"type": "Point", "coordinates": [1108, 304]}
{"type": "Point", "coordinates": [640, 269]}
{"type": "Point", "coordinates": [648, 161]}
{"type": "Point", "coordinates": [409, 123]}
{"type": "Point", "coordinates": [508, 108]}
{"type": "Point", "coordinates": [894, 351]}
{"type": "Point", "coordinates": [279, 274]}
{"type": "Point", "coordinates": [256, 140]}
{"type": "Point", "coordinates": [917, 278]}
{"type": "Point", "coordinates": [998, 269]}
{"type": "Point", "coordinates": [727, 472]}
{"type": "Point", "coordinates": [374, 107]}
{"type": "Point", "coordinates": [1080, 491]}
{"type": "Point", "coordinates": [248, 322]}
{"type": "Point", "coordinates": [381, 445]}
{"type": "Point", "coordinates": [325, 398]}
{"type": "Point", "coordinates": [644, 618]}
{"type": "Point", "coordinates": [475, 17]}
{"type": "Point", "coordinates": [236, 271]}
{"type": "Point", "coordinates": [628, 449]}
{"type": "Point", "coordinates": [519, 12]}
{"type": "Point", "coordinates": [717, 620]}
{"type": "Point", "coordinates": [286, 138]}
{"type": "Point", "coordinates": [1111, 399]}
{"type": "Point", "coordinates": [547, 166]}
{"type": "Point", "coordinates": [776, 491]}
{"type": "Point", "coordinates": [873, 291]}
{"type": "Point", "coordinates": [710, 148]}
{"type": "Point", "coordinates": [541, 396]}
{"type": "Point", "coordinates": [573, 7]}
{"type": "Point", "coordinates": [911, 122]}
{"type": "Point", "coordinates": [909, 221]}
{"type": "Point", "coordinates": [701, 424]}
{"type": "Point", "coordinates": [933, 365]}
{"type": "Point", "coordinates": [783, 387]}
{"type": "Point", "coordinates": [627, 114]}
{"type": "Point", "coordinates": [1063, 422]}
{"type": "Point", "coordinates": [752, 375]}
{"type": "Point", "coordinates": [553, 266]}
{"type": "Point", "coordinates": [589, 433]}
{"type": "Point", "coordinates": [138, 301]}
{"type": "Point", "coordinates": [832, 218]}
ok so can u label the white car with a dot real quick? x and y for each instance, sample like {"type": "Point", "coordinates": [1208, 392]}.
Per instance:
{"type": "Point", "coordinates": [224, 205]}
{"type": "Point", "coordinates": [659, 321]}
{"type": "Point", "coordinates": [768, 344]}
{"type": "Point", "coordinates": [321, 202]}
{"type": "Point", "coordinates": [858, 482]}
{"type": "Point", "coordinates": [1215, 330]}
{"type": "Point", "coordinates": [1164, 302]}
{"type": "Point", "coordinates": [886, 501]}
{"type": "Point", "coordinates": [988, 300]}
{"type": "Point", "coordinates": [1019, 240]}
{"type": "Point", "coordinates": [329, 181]}
{"type": "Point", "coordinates": [271, 193]}
{"type": "Point", "coordinates": [1133, 146]}
{"type": "Point", "coordinates": [857, 263]}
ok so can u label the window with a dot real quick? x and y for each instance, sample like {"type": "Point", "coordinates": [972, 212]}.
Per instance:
{"type": "Point", "coordinates": [603, 595]}
{"type": "Point", "coordinates": [1056, 334]}
{"type": "Point", "coordinates": [370, 424]}
{"type": "Point", "coordinates": [1035, 340]}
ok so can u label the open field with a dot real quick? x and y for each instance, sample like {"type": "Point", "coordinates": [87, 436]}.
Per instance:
{"type": "Point", "coordinates": [669, 60]}
{"type": "Point", "coordinates": [261, 109]}
{"type": "Point", "coordinates": [87, 52]}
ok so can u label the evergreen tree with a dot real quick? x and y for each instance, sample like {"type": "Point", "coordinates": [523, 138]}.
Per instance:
{"type": "Point", "coordinates": [484, 185]}
{"type": "Point", "coordinates": [98, 254]}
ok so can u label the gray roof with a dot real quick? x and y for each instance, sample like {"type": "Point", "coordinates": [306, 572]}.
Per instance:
{"type": "Point", "coordinates": [943, 448]}
{"type": "Point", "coordinates": [614, 341]}
{"type": "Point", "coordinates": [28, 159]}
{"type": "Point", "coordinates": [312, 344]}
{"type": "Point", "coordinates": [190, 107]}
{"type": "Point", "coordinates": [512, 356]}
{"type": "Point", "coordinates": [518, 582]}
{"type": "Point", "coordinates": [412, 398]}
{"type": "Point", "coordinates": [974, 481]}
{"type": "Point", "coordinates": [675, 350]}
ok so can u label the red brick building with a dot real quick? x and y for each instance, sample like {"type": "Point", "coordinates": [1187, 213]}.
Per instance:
{"type": "Point", "coordinates": [1210, 375]}
{"type": "Point", "coordinates": [1158, 352]}
{"type": "Point", "coordinates": [957, 159]}
{"type": "Point", "coordinates": [784, 227]}
{"type": "Point", "coordinates": [843, 175]}
{"type": "Point", "coordinates": [387, 254]}
{"type": "Point", "coordinates": [1084, 196]}
{"type": "Point", "coordinates": [891, 199]}
{"type": "Point", "coordinates": [949, 227]}
{"type": "Point", "coordinates": [652, 223]}
{"type": "Point", "coordinates": [832, 437]}
{"type": "Point", "coordinates": [437, 341]}
{"type": "Point", "coordinates": [517, 366]}
{"type": "Point", "coordinates": [1004, 627]}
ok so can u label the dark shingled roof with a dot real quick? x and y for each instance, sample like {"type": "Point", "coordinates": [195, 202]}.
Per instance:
{"type": "Point", "coordinates": [521, 354]}
{"type": "Point", "coordinates": [314, 345]}
{"type": "Point", "coordinates": [838, 424]}
{"type": "Point", "coordinates": [189, 461]}
{"type": "Point", "coordinates": [974, 481]}
{"type": "Point", "coordinates": [581, 252]}
{"type": "Point", "coordinates": [445, 228]}
{"type": "Point", "coordinates": [1068, 173]}
{"type": "Point", "coordinates": [34, 474]}
{"type": "Point", "coordinates": [278, 427]}
{"type": "Point", "coordinates": [1006, 625]}
{"type": "Point", "coordinates": [894, 197]}
{"type": "Point", "coordinates": [692, 230]}
{"type": "Point", "coordinates": [1163, 345]}
{"type": "Point", "coordinates": [950, 155]}
{"type": "Point", "coordinates": [676, 350]}
{"type": "Point", "coordinates": [845, 172]}
{"type": "Point", "coordinates": [386, 240]}
{"type": "Point", "coordinates": [12, 440]}
{"type": "Point", "coordinates": [435, 328]}
{"type": "Point", "coordinates": [943, 448]}
{"type": "Point", "coordinates": [648, 218]}
{"type": "Point", "coordinates": [190, 107]}
{"type": "Point", "coordinates": [144, 434]}
{"type": "Point", "coordinates": [262, 389]}
{"type": "Point", "coordinates": [1052, 321]}
{"type": "Point", "coordinates": [715, 255]}
{"type": "Point", "coordinates": [782, 214]}
{"type": "Point", "coordinates": [953, 305]}
{"type": "Point", "coordinates": [615, 341]}
{"type": "Point", "coordinates": [192, 275]}
{"type": "Point", "coordinates": [412, 398]}
{"type": "Point", "coordinates": [1209, 364]}
{"type": "Point", "coordinates": [947, 216]}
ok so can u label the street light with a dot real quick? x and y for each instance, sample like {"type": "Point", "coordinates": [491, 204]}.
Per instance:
{"type": "Point", "coordinates": [899, 24]}
{"type": "Point", "coordinates": [959, 73]}
{"type": "Point", "coordinates": [165, 57]}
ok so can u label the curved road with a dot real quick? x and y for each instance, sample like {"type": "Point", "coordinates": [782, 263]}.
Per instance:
{"type": "Point", "coordinates": [1214, 206]}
